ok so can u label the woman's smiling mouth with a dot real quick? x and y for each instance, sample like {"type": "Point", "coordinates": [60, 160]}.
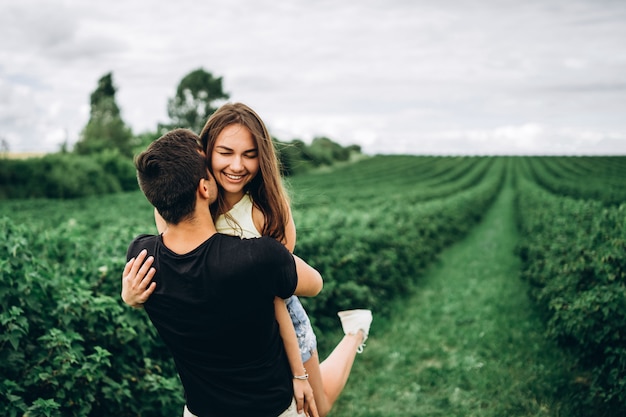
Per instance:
{"type": "Point", "coordinates": [233, 177]}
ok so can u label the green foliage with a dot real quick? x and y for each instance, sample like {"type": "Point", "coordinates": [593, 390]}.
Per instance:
{"type": "Point", "coordinates": [324, 151]}
{"type": "Point", "coordinates": [291, 157]}
{"type": "Point", "coordinates": [379, 262]}
{"type": "Point", "coordinates": [369, 246]}
{"type": "Point", "coordinates": [193, 102]}
{"type": "Point", "coordinates": [142, 140]}
{"type": "Point", "coordinates": [597, 178]}
{"type": "Point", "coordinates": [296, 157]}
{"type": "Point", "coordinates": [88, 354]}
{"type": "Point", "coordinates": [70, 175]}
{"type": "Point", "coordinates": [67, 175]}
{"type": "Point", "coordinates": [16, 177]}
{"type": "Point", "coordinates": [573, 254]}
{"type": "Point", "coordinates": [105, 129]}
{"type": "Point", "coordinates": [119, 168]}
{"type": "Point", "coordinates": [68, 346]}
{"type": "Point", "coordinates": [467, 342]}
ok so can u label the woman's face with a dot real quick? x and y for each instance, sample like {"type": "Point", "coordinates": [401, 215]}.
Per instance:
{"type": "Point", "coordinates": [234, 159]}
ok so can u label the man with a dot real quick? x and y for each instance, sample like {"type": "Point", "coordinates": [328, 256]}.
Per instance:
{"type": "Point", "coordinates": [212, 294]}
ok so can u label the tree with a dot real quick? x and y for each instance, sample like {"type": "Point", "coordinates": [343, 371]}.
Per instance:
{"type": "Point", "coordinates": [105, 129]}
{"type": "Point", "coordinates": [193, 102]}
{"type": "Point", "coordinates": [325, 151]}
{"type": "Point", "coordinates": [4, 147]}
{"type": "Point", "coordinates": [290, 156]}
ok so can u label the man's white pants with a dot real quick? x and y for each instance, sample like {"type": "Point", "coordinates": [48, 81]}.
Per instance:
{"type": "Point", "coordinates": [289, 412]}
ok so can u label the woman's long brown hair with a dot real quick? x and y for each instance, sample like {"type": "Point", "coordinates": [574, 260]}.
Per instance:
{"type": "Point", "coordinates": [266, 188]}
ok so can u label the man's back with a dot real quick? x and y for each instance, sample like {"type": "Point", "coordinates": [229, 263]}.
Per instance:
{"type": "Point", "coordinates": [213, 307]}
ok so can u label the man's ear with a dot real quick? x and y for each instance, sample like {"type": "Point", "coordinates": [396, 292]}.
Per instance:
{"type": "Point", "coordinates": [203, 188]}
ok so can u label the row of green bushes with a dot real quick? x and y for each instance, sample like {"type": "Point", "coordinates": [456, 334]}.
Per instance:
{"type": "Point", "coordinates": [593, 178]}
{"type": "Point", "coordinates": [72, 175]}
{"type": "Point", "coordinates": [66, 175]}
{"type": "Point", "coordinates": [573, 257]}
{"type": "Point", "coordinates": [70, 347]}
{"type": "Point", "coordinates": [373, 255]}
{"type": "Point", "coordinates": [401, 178]}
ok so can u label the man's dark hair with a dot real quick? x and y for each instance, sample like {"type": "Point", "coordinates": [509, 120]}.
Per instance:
{"type": "Point", "coordinates": [169, 172]}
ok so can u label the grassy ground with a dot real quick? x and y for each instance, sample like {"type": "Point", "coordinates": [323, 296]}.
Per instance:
{"type": "Point", "coordinates": [466, 343]}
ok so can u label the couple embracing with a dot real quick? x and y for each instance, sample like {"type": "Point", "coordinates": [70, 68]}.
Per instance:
{"type": "Point", "coordinates": [220, 282]}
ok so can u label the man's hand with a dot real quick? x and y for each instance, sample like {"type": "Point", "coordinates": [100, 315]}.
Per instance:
{"type": "Point", "coordinates": [136, 285]}
{"type": "Point", "coordinates": [305, 402]}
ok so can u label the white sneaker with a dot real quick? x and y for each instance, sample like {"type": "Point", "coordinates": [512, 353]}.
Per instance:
{"type": "Point", "coordinates": [354, 320]}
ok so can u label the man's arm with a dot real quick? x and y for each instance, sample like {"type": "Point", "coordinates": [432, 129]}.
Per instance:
{"type": "Point", "coordinates": [310, 281]}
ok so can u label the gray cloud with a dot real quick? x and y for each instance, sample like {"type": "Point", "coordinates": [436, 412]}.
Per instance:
{"type": "Point", "coordinates": [617, 87]}
{"type": "Point", "coordinates": [396, 76]}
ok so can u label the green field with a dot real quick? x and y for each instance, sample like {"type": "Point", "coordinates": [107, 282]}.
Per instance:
{"type": "Point", "coordinates": [498, 286]}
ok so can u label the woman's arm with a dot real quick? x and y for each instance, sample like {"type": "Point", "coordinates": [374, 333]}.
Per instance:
{"type": "Point", "coordinates": [289, 240]}
{"type": "Point", "coordinates": [303, 393]}
{"type": "Point", "coordinates": [310, 281]}
{"type": "Point", "coordinates": [290, 232]}
{"type": "Point", "coordinates": [288, 335]}
{"type": "Point", "coordinates": [137, 282]}
{"type": "Point", "coordinates": [309, 284]}
{"type": "Point", "coordinates": [136, 287]}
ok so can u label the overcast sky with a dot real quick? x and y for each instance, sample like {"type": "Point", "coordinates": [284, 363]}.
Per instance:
{"type": "Point", "coordinates": [394, 76]}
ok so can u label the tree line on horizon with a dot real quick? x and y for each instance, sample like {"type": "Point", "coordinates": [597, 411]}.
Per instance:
{"type": "Point", "coordinates": [101, 161]}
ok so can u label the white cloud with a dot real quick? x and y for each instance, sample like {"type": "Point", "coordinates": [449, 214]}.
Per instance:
{"type": "Point", "coordinates": [395, 76]}
{"type": "Point", "coordinates": [526, 139]}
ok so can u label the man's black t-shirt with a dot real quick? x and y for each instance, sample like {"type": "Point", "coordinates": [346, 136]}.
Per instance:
{"type": "Point", "coordinates": [214, 309]}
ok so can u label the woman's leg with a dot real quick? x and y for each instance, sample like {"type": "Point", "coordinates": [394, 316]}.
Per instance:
{"type": "Point", "coordinates": [329, 378]}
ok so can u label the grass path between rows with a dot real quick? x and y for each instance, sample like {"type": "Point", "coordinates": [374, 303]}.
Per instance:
{"type": "Point", "coordinates": [467, 342]}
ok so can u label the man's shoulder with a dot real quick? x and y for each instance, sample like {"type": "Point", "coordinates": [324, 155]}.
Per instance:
{"type": "Point", "coordinates": [140, 242]}
{"type": "Point", "coordinates": [265, 243]}
{"type": "Point", "coordinates": [263, 247]}
{"type": "Point", "coordinates": [249, 242]}
{"type": "Point", "coordinates": [144, 238]}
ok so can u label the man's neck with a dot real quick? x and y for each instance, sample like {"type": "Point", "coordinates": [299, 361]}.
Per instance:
{"type": "Point", "coordinates": [188, 234]}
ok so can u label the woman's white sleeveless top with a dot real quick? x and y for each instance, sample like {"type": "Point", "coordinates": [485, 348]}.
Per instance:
{"type": "Point", "coordinates": [243, 225]}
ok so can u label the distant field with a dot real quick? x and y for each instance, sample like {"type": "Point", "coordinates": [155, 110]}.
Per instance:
{"type": "Point", "coordinates": [22, 155]}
